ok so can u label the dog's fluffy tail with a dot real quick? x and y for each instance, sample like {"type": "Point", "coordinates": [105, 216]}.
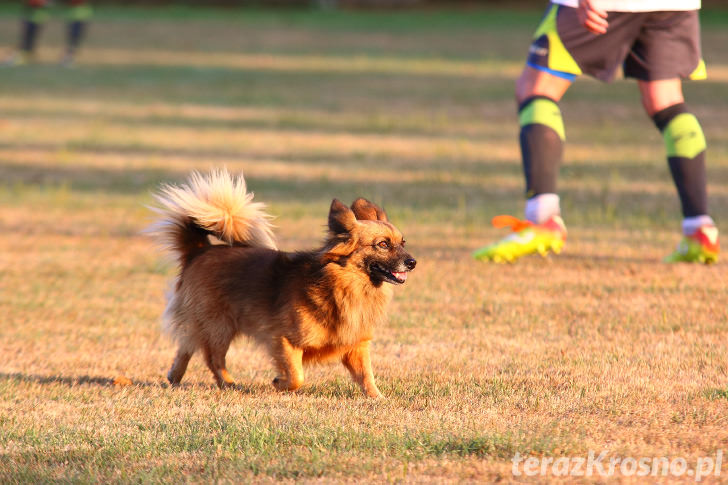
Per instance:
{"type": "Point", "coordinates": [215, 204]}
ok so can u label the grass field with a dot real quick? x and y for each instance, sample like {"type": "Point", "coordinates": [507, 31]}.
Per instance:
{"type": "Point", "coordinates": [603, 348]}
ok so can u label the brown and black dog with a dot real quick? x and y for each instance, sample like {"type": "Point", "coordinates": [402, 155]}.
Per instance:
{"type": "Point", "coordinates": [303, 307]}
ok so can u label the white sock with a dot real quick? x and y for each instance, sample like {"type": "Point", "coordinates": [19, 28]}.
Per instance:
{"type": "Point", "coordinates": [692, 224]}
{"type": "Point", "coordinates": [542, 207]}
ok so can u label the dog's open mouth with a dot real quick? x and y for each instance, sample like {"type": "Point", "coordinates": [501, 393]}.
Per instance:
{"type": "Point", "coordinates": [396, 277]}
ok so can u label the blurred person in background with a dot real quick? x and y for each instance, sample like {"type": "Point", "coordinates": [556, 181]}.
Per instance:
{"type": "Point", "coordinates": [35, 15]}
{"type": "Point", "coordinates": [657, 42]}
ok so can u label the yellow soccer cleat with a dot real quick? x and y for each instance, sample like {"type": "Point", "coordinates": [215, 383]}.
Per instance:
{"type": "Point", "coordinates": [527, 238]}
{"type": "Point", "coordinates": [16, 59]}
{"type": "Point", "coordinates": [700, 247]}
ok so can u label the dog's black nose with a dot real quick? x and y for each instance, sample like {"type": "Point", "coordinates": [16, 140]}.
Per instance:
{"type": "Point", "coordinates": [410, 263]}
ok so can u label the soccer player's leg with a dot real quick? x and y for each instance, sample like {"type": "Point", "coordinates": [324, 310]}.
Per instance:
{"type": "Point", "coordinates": [79, 13]}
{"type": "Point", "coordinates": [541, 140]}
{"type": "Point", "coordinates": [685, 146]}
{"type": "Point", "coordinates": [35, 14]}
{"type": "Point", "coordinates": [550, 69]}
{"type": "Point", "coordinates": [667, 51]}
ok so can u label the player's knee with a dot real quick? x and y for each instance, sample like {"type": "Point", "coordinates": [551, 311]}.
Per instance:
{"type": "Point", "coordinates": [681, 131]}
{"type": "Point", "coordinates": [541, 110]}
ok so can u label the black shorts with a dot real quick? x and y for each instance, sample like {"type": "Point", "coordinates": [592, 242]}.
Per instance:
{"type": "Point", "coordinates": [648, 45]}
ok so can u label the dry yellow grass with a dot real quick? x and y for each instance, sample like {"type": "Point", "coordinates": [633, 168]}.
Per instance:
{"type": "Point", "coordinates": [602, 348]}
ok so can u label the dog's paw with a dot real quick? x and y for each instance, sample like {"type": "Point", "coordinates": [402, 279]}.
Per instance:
{"type": "Point", "coordinates": [283, 384]}
{"type": "Point", "coordinates": [373, 393]}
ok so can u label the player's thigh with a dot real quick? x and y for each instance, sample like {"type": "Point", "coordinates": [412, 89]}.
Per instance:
{"type": "Point", "coordinates": [563, 46]}
{"type": "Point", "coordinates": [660, 94]}
{"type": "Point", "coordinates": [668, 47]}
{"type": "Point", "coordinates": [535, 82]}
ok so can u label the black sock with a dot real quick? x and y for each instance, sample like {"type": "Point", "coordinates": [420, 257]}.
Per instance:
{"type": "Point", "coordinates": [76, 31]}
{"type": "Point", "coordinates": [29, 35]}
{"type": "Point", "coordinates": [685, 144]}
{"type": "Point", "coordinates": [542, 139]}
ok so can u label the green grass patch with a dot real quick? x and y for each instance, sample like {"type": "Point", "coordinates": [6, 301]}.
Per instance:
{"type": "Point", "coordinates": [716, 394]}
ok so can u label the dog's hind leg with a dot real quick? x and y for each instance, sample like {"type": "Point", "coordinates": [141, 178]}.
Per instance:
{"type": "Point", "coordinates": [359, 364]}
{"type": "Point", "coordinates": [289, 361]}
{"type": "Point", "coordinates": [179, 366]}
{"type": "Point", "coordinates": [215, 359]}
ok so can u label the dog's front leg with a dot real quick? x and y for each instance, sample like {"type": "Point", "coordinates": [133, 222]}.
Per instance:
{"type": "Point", "coordinates": [289, 361]}
{"type": "Point", "coordinates": [359, 364]}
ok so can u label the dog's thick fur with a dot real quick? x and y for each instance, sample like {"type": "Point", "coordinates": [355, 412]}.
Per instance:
{"type": "Point", "coordinates": [302, 307]}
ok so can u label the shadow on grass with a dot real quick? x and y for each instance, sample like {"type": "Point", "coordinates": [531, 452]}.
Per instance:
{"type": "Point", "coordinates": [319, 89]}
{"type": "Point", "coordinates": [292, 123]}
{"type": "Point", "coordinates": [432, 166]}
{"type": "Point", "coordinates": [283, 188]}
{"type": "Point", "coordinates": [327, 389]}
{"type": "Point", "coordinates": [606, 259]}
{"type": "Point", "coordinates": [73, 381]}
{"type": "Point", "coordinates": [413, 194]}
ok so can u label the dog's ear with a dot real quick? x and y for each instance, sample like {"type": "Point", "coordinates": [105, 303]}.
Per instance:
{"type": "Point", "coordinates": [365, 210]}
{"type": "Point", "coordinates": [341, 218]}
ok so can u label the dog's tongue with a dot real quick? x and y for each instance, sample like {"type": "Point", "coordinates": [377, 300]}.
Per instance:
{"type": "Point", "coordinates": [401, 276]}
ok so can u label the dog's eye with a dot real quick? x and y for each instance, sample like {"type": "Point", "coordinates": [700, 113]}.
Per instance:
{"type": "Point", "coordinates": [383, 244]}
